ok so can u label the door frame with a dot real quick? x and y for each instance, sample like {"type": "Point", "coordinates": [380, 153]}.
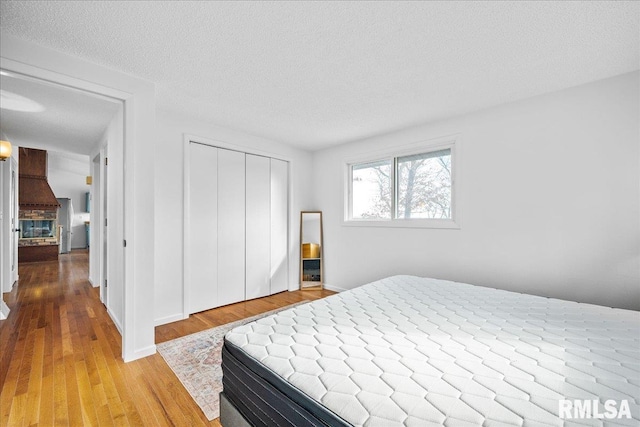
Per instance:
{"type": "Point", "coordinates": [9, 209]}
{"type": "Point", "coordinates": [103, 241]}
{"type": "Point", "coordinates": [99, 254]}
{"type": "Point", "coordinates": [14, 221]}
{"type": "Point", "coordinates": [137, 226]}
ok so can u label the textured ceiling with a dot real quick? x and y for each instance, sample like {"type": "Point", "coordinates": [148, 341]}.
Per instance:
{"type": "Point", "coordinates": [72, 121]}
{"type": "Point", "coordinates": [315, 74]}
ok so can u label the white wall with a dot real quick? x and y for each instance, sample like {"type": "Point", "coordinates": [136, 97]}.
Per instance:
{"type": "Point", "coordinates": [67, 177]}
{"type": "Point", "coordinates": [550, 190]}
{"type": "Point", "coordinates": [169, 196]}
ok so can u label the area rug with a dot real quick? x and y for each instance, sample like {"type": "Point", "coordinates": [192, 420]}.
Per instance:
{"type": "Point", "coordinates": [196, 360]}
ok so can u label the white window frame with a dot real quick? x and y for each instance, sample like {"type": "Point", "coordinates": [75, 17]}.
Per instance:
{"type": "Point", "coordinates": [392, 154]}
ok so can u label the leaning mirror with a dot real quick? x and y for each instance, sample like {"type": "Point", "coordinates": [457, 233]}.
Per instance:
{"type": "Point", "coordinates": [311, 270]}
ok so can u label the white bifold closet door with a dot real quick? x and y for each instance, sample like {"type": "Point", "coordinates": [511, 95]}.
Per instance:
{"type": "Point", "coordinates": [202, 262]}
{"type": "Point", "coordinates": [258, 226]}
{"type": "Point", "coordinates": [279, 221]}
{"type": "Point", "coordinates": [237, 235]}
{"type": "Point", "coordinates": [231, 224]}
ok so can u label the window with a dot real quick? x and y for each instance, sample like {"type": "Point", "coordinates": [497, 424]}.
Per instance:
{"type": "Point", "coordinates": [424, 185]}
{"type": "Point", "coordinates": [371, 194]}
{"type": "Point", "coordinates": [412, 188]}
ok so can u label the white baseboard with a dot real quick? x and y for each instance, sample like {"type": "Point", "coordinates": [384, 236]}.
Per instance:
{"type": "Point", "coordinates": [143, 352]}
{"type": "Point", "coordinates": [91, 282]}
{"type": "Point", "coordinates": [325, 286]}
{"type": "Point", "coordinates": [115, 321]}
{"type": "Point", "coordinates": [169, 319]}
{"type": "Point", "coordinates": [334, 288]}
{"type": "Point", "coordinates": [4, 310]}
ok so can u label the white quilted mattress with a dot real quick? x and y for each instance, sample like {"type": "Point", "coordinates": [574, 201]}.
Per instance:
{"type": "Point", "coordinates": [414, 351]}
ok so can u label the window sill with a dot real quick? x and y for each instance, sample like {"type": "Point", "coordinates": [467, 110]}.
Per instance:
{"type": "Point", "coordinates": [404, 223]}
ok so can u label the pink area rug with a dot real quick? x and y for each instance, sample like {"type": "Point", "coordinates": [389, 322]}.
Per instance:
{"type": "Point", "coordinates": [196, 360]}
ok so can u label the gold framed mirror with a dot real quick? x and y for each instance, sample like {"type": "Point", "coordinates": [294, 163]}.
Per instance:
{"type": "Point", "coordinates": [311, 250]}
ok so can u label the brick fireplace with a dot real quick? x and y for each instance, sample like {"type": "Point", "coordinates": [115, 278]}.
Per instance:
{"type": "Point", "coordinates": [38, 214]}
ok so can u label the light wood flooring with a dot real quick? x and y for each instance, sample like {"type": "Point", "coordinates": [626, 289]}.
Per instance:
{"type": "Point", "coordinates": [60, 354]}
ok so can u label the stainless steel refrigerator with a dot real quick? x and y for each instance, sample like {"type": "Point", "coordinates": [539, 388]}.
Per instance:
{"type": "Point", "coordinates": [65, 220]}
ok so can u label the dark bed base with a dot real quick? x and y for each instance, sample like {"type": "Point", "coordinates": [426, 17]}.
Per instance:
{"type": "Point", "coordinates": [229, 414]}
{"type": "Point", "coordinates": [255, 396]}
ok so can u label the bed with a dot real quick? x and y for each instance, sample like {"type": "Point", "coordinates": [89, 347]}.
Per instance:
{"type": "Point", "coordinates": [410, 351]}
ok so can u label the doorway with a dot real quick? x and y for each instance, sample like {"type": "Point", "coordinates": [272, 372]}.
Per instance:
{"type": "Point", "coordinates": [135, 142]}
{"type": "Point", "coordinates": [72, 126]}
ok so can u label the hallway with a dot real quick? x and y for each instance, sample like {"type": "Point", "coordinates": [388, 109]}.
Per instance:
{"type": "Point", "coordinates": [61, 360]}
{"type": "Point", "coordinates": [61, 354]}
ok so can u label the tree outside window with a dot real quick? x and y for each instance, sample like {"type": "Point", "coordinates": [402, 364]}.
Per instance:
{"type": "Point", "coordinates": [412, 187]}
{"type": "Point", "coordinates": [424, 185]}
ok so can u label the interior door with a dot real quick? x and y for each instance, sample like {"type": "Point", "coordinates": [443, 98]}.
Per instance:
{"type": "Point", "coordinates": [279, 226]}
{"type": "Point", "coordinates": [95, 229]}
{"type": "Point", "coordinates": [105, 234]}
{"type": "Point", "coordinates": [202, 262]}
{"type": "Point", "coordinates": [258, 227]}
{"type": "Point", "coordinates": [231, 237]}
{"type": "Point", "coordinates": [15, 234]}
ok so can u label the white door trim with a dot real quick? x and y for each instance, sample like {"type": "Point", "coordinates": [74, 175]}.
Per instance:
{"type": "Point", "coordinates": [14, 190]}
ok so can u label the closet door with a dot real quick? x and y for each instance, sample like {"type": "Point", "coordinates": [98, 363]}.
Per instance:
{"type": "Point", "coordinates": [231, 223]}
{"type": "Point", "coordinates": [279, 221]}
{"type": "Point", "coordinates": [202, 260]}
{"type": "Point", "coordinates": [258, 226]}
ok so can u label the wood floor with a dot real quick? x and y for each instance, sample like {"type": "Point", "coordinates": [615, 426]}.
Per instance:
{"type": "Point", "coordinates": [61, 365]}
